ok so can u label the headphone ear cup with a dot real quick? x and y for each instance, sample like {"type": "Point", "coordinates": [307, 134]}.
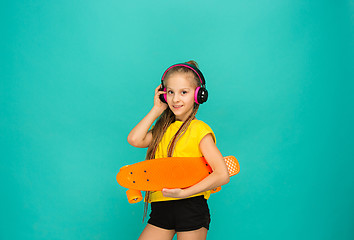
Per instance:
{"type": "Point", "coordinates": [202, 95]}
{"type": "Point", "coordinates": [163, 97]}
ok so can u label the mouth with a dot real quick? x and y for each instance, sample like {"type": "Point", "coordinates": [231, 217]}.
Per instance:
{"type": "Point", "coordinates": [177, 106]}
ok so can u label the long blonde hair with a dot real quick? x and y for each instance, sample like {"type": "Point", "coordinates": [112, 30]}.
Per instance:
{"type": "Point", "coordinates": [164, 121]}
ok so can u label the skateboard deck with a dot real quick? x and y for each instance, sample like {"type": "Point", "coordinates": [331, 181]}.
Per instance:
{"type": "Point", "coordinates": [173, 172]}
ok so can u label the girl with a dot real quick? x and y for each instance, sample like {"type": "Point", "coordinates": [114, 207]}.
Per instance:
{"type": "Point", "coordinates": [178, 133]}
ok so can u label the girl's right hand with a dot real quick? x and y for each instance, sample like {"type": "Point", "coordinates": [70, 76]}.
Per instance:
{"type": "Point", "coordinates": [157, 102]}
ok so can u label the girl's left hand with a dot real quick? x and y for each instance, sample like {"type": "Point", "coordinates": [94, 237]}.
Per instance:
{"type": "Point", "coordinates": [173, 193]}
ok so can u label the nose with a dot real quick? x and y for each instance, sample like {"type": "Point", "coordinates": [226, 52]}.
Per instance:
{"type": "Point", "coordinates": [175, 98]}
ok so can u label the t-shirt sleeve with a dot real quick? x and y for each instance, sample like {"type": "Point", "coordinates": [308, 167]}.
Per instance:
{"type": "Point", "coordinates": [204, 129]}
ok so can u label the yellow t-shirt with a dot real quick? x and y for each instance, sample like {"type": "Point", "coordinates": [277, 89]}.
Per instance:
{"type": "Point", "coordinates": [186, 146]}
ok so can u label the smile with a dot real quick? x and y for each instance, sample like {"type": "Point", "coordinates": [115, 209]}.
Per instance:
{"type": "Point", "coordinates": [177, 106]}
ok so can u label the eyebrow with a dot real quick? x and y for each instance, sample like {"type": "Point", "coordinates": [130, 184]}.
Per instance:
{"type": "Point", "coordinates": [179, 89]}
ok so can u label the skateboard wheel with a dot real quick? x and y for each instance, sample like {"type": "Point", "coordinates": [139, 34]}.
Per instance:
{"type": "Point", "coordinates": [232, 165]}
{"type": "Point", "coordinates": [134, 196]}
{"type": "Point", "coordinates": [215, 190]}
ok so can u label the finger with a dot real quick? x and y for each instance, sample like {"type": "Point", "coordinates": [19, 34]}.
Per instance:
{"type": "Point", "coordinates": [166, 192]}
{"type": "Point", "coordinates": [158, 93]}
{"type": "Point", "coordinates": [158, 88]}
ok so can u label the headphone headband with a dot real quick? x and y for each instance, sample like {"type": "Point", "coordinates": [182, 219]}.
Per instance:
{"type": "Point", "coordinates": [190, 66]}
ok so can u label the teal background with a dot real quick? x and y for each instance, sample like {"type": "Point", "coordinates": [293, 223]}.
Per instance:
{"type": "Point", "coordinates": [76, 76]}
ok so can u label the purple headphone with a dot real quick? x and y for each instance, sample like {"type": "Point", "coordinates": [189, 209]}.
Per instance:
{"type": "Point", "coordinates": [200, 94]}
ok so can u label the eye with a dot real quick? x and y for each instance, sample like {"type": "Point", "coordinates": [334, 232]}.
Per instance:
{"type": "Point", "coordinates": [184, 92]}
{"type": "Point", "coordinates": [169, 92]}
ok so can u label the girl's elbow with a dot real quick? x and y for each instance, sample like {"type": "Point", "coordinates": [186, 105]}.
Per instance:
{"type": "Point", "coordinates": [132, 141]}
{"type": "Point", "coordinates": [129, 139]}
{"type": "Point", "coordinates": [226, 178]}
{"type": "Point", "coordinates": [136, 142]}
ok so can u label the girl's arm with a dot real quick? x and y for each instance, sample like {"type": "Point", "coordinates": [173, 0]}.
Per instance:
{"type": "Point", "coordinates": [218, 177]}
{"type": "Point", "coordinates": [140, 136]}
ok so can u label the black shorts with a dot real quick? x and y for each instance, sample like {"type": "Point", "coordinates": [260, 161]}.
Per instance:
{"type": "Point", "coordinates": [181, 215]}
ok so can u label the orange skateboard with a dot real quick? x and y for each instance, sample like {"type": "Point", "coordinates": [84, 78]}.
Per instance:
{"type": "Point", "coordinates": [173, 172]}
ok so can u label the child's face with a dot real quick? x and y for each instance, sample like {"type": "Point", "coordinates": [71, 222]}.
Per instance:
{"type": "Point", "coordinates": [180, 95]}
